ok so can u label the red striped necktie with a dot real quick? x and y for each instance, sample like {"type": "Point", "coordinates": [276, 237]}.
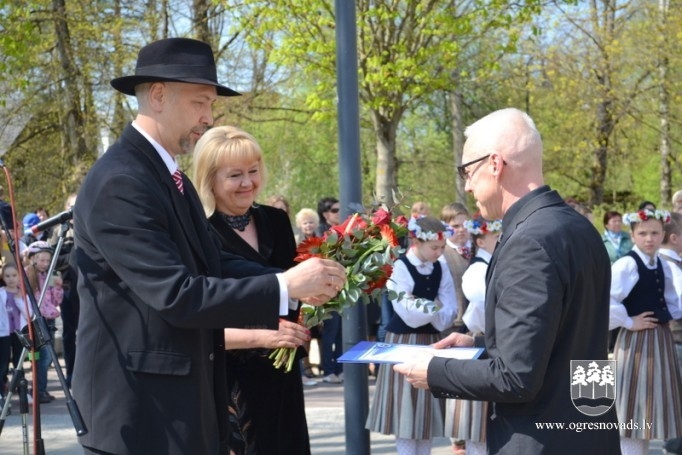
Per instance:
{"type": "Point", "coordinates": [177, 178]}
{"type": "Point", "coordinates": [465, 252]}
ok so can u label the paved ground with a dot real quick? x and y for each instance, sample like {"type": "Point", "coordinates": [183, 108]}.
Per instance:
{"type": "Point", "coordinates": [324, 409]}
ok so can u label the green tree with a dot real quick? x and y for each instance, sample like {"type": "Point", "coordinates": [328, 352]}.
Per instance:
{"type": "Point", "coordinates": [407, 50]}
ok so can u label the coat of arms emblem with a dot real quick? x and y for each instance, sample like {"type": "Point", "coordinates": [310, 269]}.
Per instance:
{"type": "Point", "coordinates": [593, 385]}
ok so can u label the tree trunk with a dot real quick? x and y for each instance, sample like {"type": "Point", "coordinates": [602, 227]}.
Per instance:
{"type": "Point", "coordinates": [605, 122]}
{"type": "Point", "coordinates": [387, 163]}
{"type": "Point", "coordinates": [200, 26]}
{"type": "Point", "coordinates": [604, 129]}
{"type": "Point", "coordinates": [456, 103]}
{"type": "Point", "coordinates": [120, 117]}
{"type": "Point", "coordinates": [73, 126]}
{"type": "Point", "coordinates": [664, 106]}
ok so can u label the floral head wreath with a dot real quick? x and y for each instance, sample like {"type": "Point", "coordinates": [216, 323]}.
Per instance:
{"type": "Point", "coordinates": [482, 227]}
{"type": "Point", "coordinates": [418, 233]}
{"type": "Point", "coordinates": [645, 214]}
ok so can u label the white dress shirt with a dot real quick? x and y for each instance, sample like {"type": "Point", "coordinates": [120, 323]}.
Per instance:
{"type": "Point", "coordinates": [473, 286]}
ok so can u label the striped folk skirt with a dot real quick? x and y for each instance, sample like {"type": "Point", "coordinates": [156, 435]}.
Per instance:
{"type": "Point", "coordinates": [466, 419]}
{"type": "Point", "coordinates": [648, 384]}
{"type": "Point", "coordinates": [398, 408]}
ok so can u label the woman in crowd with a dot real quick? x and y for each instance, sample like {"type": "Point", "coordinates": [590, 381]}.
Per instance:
{"type": "Point", "coordinates": [267, 414]}
{"type": "Point", "coordinates": [279, 202]}
{"type": "Point", "coordinates": [307, 221]}
{"type": "Point", "coordinates": [420, 279]}
{"type": "Point", "coordinates": [617, 242]}
{"type": "Point", "coordinates": [643, 301]}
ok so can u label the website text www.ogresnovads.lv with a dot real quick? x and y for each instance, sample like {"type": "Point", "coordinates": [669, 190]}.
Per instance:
{"type": "Point", "coordinates": [590, 426]}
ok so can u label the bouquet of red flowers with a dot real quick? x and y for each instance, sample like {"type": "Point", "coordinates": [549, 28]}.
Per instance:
{"type": "Point", "coordinates": [366, 246]}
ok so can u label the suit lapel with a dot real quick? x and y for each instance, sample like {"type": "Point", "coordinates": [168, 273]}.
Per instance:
{"type": "Point", "coordinates": [187, 208]}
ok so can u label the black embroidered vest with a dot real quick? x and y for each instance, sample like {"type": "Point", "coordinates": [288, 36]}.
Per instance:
{"type": "Point", "coordinates": [426, 287]}
{"type": "Point", "coordinates": [648, 293]}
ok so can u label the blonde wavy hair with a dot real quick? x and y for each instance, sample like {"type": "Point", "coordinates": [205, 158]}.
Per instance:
{"type": "Point", "coordinates": [219, 147]}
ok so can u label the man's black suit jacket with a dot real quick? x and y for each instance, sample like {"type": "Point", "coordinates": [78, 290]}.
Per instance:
{"type": "Point", "coordinates": [547, 303]}
{"type": "Point", "coordinates": [149, 375]}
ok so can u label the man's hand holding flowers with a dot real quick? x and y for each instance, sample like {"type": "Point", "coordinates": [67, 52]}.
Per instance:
{"type": "Point", "coordinates": [315, 281]}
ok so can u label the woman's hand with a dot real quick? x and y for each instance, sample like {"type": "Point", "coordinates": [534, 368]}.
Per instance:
{"type": "Point", "coordinates": [289, 335]}
{"type": "Point", "coordinates": [644, 321]}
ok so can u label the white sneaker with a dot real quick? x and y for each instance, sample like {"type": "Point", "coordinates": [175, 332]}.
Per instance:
{"type": "Point", "coordinates": [332, 379]}
{"type": "Point", "coordinates": [308, 382]}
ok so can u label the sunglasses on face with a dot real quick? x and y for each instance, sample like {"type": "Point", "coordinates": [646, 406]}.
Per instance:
{"type": "Point", "coordinates": [334, 209]}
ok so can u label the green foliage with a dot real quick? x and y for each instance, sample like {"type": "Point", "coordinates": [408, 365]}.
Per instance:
{"type": "Point", "coordinates": [559, 62]}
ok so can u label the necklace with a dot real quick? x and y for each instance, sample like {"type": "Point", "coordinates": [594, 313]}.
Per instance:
{"type": "Point", "coordinates": [238, 222]}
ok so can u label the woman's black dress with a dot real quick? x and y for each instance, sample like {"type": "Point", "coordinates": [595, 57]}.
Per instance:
{"type": "Point", "coordinates": [266, 405]}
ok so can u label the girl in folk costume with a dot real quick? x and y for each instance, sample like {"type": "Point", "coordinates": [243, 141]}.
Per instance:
{"type": "Point", "coordinates": [643, 301]}
{"type": "Point", "coordinates": [420, 279]}
{"type": "Point", "coordinates": [465, 419]}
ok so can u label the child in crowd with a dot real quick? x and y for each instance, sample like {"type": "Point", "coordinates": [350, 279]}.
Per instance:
{"type": "Point", "coordinates": [12, 311]}
{"type": "Point", "coordinates": [671, 251]}
{"type": "Point", "coordinates": [643, 301]}
{"type": "Point", "coordinates": [414, 416]}
{"type": "Point", "coordinates": [39, 255]}
{"type": "Point", "coordinates": [458, 253]}
{"type": "Point", "coordinates": [465, 420]}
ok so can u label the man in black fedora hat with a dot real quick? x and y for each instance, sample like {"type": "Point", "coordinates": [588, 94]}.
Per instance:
{"type": "Point", "coordinates": [149, 373]}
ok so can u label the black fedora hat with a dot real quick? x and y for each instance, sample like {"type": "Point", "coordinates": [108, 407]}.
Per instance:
{"type": "Point", "coordinates": [174, 60]}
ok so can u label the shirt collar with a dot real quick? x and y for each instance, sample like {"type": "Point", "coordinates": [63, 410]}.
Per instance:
{"type": "Point", "coordinates": [644, 257]}
{"type": "Point", "coordinates": [414, 260]}
{"type": "Point", "coordinates": [613, 235]}
{"type": "Point", "coordinates": [452, 245]}
{"type": "Point", "coordinates": [670, 253]}
{"type": "Point", "coordinates": [163, 153]}
{"type": "Point", "coordinates": [518, 205]}
{"type": "Point", "coordinates": [483, 254]}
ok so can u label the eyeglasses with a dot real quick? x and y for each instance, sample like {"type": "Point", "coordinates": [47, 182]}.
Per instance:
{"type": "Point", "coordinates": [462, 170]}
{"type": "Point", "coordinates": [334, 209]}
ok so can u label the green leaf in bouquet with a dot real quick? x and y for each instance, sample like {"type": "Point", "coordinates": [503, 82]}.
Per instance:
{"type": "Point", "coordinates": [354, 294]}
{"type": "Point", "coordinates": [370, 268]}
{"type": "Point", "coordinates": [312, 321]}
{"type": "Point", "coordinates": [392, 295]}
{"type": "Point", "coordinates": [358, 234]}
{"type": "Point", "coordinates": [358, 278]}
{"type": "Point", "coordinates": [349, 252]}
